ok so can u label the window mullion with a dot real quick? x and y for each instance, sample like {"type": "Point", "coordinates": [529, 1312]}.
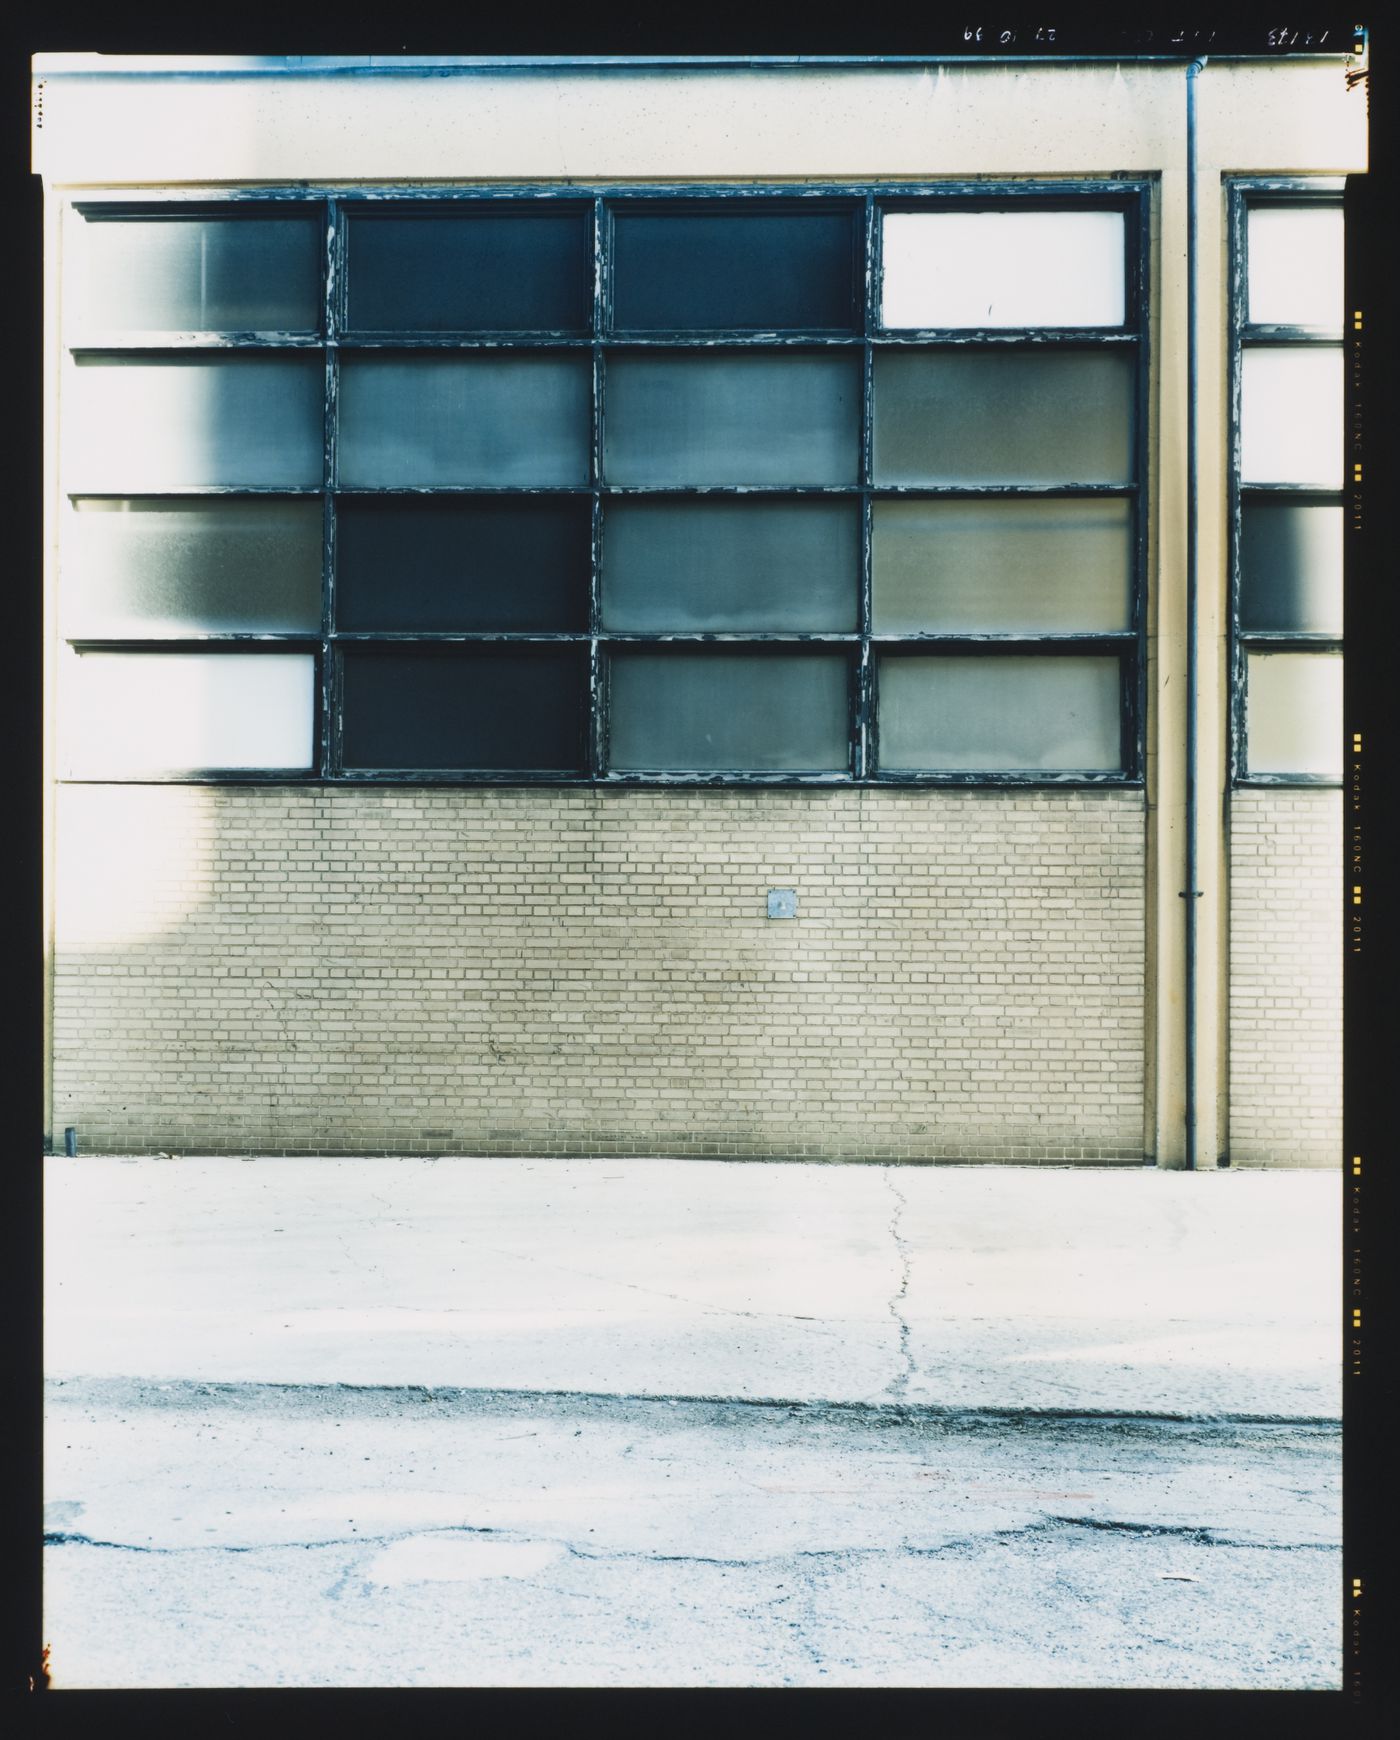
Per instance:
{"type": "Point", "coordinates": [596, 725]}
{"type": "Point", "coordinates": [863, 761]}
{"type": "Point", "coordinates": [331, 292]}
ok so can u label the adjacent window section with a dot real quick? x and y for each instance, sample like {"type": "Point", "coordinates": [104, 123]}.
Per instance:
{"type": "Point", "coordinates": [1289, 525]}
{"type": "Point", "coordinates": [616, 486]}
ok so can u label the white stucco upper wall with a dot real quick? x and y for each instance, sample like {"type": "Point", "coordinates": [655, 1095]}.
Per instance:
{"type": "Point", "coordinates": [605, 124]}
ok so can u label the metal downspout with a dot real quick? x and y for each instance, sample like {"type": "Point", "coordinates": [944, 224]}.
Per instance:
{"type": "Point", "coordinates": [1191, 893]}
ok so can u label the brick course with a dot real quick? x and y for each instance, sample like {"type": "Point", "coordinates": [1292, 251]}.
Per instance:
{"type": "Point", "coordinates": [434, 970]}
{"type": "Point", "coordinates": [1286, 977]}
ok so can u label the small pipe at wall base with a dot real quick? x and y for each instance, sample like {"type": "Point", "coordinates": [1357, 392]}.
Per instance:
{"type": "Point", "coordinates": [70, 1143]}
{"type": "Point", "coordinates": [1191, 893]}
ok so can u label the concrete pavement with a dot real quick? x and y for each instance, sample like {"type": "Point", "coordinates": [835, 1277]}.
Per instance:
{"type": "Point", "coordinates": [1132, 1291]}
{"type": "Point", "coordinates": [646, 1423]}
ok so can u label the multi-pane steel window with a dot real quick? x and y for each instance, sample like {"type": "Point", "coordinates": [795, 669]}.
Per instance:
{"type": "Point", "coordinates": [1288, 518]}
{"type": "Point", "coordinates": [738, 484]}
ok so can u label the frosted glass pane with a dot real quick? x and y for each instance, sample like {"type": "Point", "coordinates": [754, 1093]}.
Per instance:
{"type": "Point", "coordinates": [981, 416]}
{"type": "Point", "coordinates": [492, 708]}
{"type": "Point", "coordinates": [474, 272]}
{"type": "Point", "coordinates": [717, 419]}
{"type": "Point", "coordinates": [1003, 268]}
{"type": "Point", "coordinates": [744, 270]}
{"type": "Point", "coordinates": [172, 422]}
{"type": "Point", "coordinates": [144, 566]}
{"type": "Point", "coordinates": [683, 711]}
{"type": "Point", "coordinates": [731, 565]}
{"type": "Point", "coordinates": [464, 420]}
{"type": "Point", "coordinates": [199, 274]}
{"type": "Point", "coordinates": [1001, 566]}
{"type": "Point", "coordinates": [1000, 713]}
{"type": "Point", "coordinates": [1293, 713]}
{"type": "Point", "coordinates": [1291, 415]}
{"type": "Point", "coordinates": [1291, 567]}
{"type": "Point", "coordinates": [132, 714]}
{"type": "Point", "coordinates": [1296, 266]}
{"type": "Point", "coordinates": [441, 563]}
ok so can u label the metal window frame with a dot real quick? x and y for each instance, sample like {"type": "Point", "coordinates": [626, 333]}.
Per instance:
{"type": "Point", "coordinates": [1243, 192]}
{"type": "Point", "coordinates": [864, 201]}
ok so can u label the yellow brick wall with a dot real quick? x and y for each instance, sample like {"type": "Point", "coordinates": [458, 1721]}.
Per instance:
{"type": "Point", "coordinates": [421, 970]}
{"type": "Point", "coordinates": [1286, 917]}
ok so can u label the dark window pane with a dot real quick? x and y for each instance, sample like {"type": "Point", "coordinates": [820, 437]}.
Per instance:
{"type": "Point", "coordinates": [1291, 567]}
{"type": "Point", "coordinates": [476, 272]}
{"type": "Point", "coordinates": [492, 708]}
{"type": "Point", "coordinates": [1002, 416]}
{"type": "Point", "coordinates": [741, 271]}
{"type": "Point", "coordinates": [999, 713]}
{"type": "Point", "coordinates": [490, 420]}
{"type": "Point", "coordinates": [200, 274]}
{"type": "Point", "coordinates": [746, 710]}
{"type": "Point", "coordinates": [145, 566]}
{"type": "Point", "coordinates": [171, 422]}
{"type": "Point", "coordinates": [1000, 566]}
{"type": "Point", "coordinates": [720, 418]}
{"type": "Point", "coordinates": [731, 565]}
{"type": "Point", "coordinates": [444, 564]}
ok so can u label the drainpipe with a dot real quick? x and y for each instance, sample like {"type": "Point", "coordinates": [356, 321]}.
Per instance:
{"type": "Point", "coordinates": [1191, 894]}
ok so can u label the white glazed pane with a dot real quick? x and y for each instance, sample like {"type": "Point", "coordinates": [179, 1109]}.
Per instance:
{"type": "Point", "coordinates": [1294, 713]}
{"type": "Point", "coordinates": [134, 714]}
{"type": "Point", "coordinates": [188, 421]}
{"type": "Point", "coordinates": [196, 274]}
{"type": "Point", "coordinates": [1296, 262]}
{"type": "Point", "coordinates": [1291, 415]}
{"type": "Point", "coordinates": [1003, 269]}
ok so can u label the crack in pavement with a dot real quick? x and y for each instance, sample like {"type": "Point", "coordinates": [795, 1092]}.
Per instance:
{"type": "Point", "coordinates": [898, 1386]}
{"type": "Point", "coordinates": [1205, 1537]}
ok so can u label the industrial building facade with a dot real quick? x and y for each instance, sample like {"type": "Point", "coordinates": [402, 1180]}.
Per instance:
{"type": "Point", "coordinates": [645, 609]}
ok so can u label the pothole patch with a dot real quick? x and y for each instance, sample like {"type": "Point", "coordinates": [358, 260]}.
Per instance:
{"type": "Point", "coordinates": [451, 1558]}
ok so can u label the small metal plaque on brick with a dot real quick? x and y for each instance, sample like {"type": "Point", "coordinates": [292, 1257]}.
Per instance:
{"type": "Point", "coordinates": [782, 903]}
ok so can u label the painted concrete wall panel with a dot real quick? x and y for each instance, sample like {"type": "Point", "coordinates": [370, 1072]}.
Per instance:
{"type": "Point", "coordinates": [600, 123]}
